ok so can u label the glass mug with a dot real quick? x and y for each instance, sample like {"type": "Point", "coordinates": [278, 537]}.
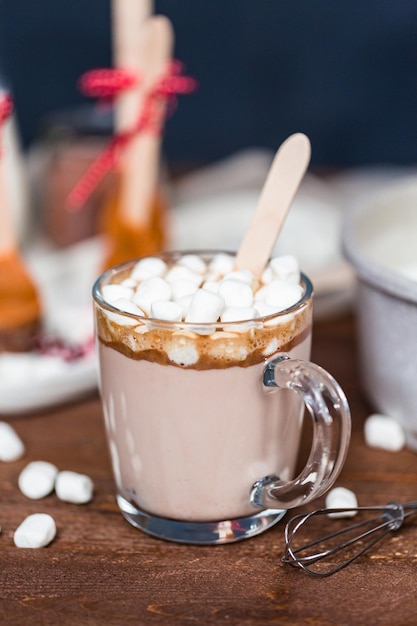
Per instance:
{"type": "Point", "coordinates": [204, 421]}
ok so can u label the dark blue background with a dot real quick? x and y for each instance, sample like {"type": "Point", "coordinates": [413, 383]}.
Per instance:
{"type": "Point", "coordinates": [343, 71]}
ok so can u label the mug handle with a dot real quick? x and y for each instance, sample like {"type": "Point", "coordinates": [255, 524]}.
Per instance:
{"type": "Point", "coordinates": [329, 410]}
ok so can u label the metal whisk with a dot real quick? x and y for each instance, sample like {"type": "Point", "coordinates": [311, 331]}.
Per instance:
{"type": "Point", "coordinates": [352, 541]}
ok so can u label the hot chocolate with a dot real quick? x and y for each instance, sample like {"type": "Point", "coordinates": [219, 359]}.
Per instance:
{"type": "Point", "coordinates": [204, 377]}
{"type": "Point", "coordinates": [190, 426]}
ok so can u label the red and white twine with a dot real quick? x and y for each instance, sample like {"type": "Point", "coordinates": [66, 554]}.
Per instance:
{"type": "Point", "coordinates": [6, 108]}
{"type": "Point", "coordinates": [106, 85]}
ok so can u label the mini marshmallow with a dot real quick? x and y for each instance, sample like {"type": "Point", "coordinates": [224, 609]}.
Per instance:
{"type": "Point", "coordinates": [238, 313]}
{"type": "Point", "coordinates": [185, 303]}
{"type": "Point", "coordinates": [245, 276]}
{"type": "Point", "coordinates": [149, 291]}
{"type": "Point", "coordinates": [205, 307]}
{"type": "Point", "coordinates": [264, 310]}
{"type": "Point", "coordinates": [183, 352]}
{"type": "Point", "coordinates": [73, 487]}
{"type": "Point", "coordinates": [169, 311]}
{"type": "Point", "coordinates": [267, 275]}
{"type": "Point", "coordinates": [130, 283]}
{"type": "Point", "coordinates": [382, 431]}
{"type": "Point", "coordinates": [221, 264]}
{"type": "Point", "coordinates": [37, 479]}
{"type": "Point", "coordinates": [11, 446]}
{"type": "Point", "coordinates": [111, 293]}
{"type": "Point", "coordinates": [286, 268]}
{"type": "Point", "coordinates": [125, 305]}
{"type": "Point", "coordinates": [178, 272]}
{"type": "Point", "coordinates": [36, 531]}
{"type": "Point", "coordinates": [341, 498]}
{"type": "Point", "coordinates": [261, 293]}
{"type": "Point", "coordinates": [147, 268]}
{"type": "Point", "coordinates": [193, 262]}
{"type": "Point", "coordinates": [271, 348]}
{"type": "Point", "coordinates": [211, 285]}
{"type": "Point", "coordinates": [282, 295]}
{"type": "Point", "coordinates": [235, 293]}
{"type": "Point", "coordinates": [183, 287]}
{"type": "Point", "coordinates": [128, 306]}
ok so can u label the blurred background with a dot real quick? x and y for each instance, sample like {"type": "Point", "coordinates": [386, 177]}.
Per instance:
{"type": "Point", "coordinates": [343, 72]}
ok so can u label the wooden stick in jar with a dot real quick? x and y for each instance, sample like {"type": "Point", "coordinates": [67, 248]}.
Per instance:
{"type": "Point", "coordinates": [7, 231]}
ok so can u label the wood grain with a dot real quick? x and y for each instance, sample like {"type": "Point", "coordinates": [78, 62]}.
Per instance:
{"type": "Point", "coordinates": [99, 570]}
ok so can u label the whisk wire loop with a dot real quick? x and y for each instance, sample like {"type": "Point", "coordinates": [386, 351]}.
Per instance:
{"type": "Point", "coordinates": [388, 518]}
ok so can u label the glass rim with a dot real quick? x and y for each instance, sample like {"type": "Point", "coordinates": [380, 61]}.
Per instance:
{"type": "Point", "coordinates": [104, 278]}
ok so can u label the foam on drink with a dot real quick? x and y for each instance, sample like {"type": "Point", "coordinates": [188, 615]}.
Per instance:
{"type": "Point", "coordinates": [246, 329]}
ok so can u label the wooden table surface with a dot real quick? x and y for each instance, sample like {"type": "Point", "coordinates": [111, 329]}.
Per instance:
{"type": "Point", "coordinates": [100, 570]}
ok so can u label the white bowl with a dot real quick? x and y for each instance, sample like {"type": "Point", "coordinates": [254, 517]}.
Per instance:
{"type": "Point", "coordinates": [380, 240]}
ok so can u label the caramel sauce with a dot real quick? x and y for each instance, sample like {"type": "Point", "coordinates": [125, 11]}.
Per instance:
{"type": "Point", "coordinates": [20, 308]}
{"type": "Point", "coordinates": [19, 300]}
{"type": "Point", "coordinates": [127, 240]}
{"type": "Point", "coordinates": [155, 344]}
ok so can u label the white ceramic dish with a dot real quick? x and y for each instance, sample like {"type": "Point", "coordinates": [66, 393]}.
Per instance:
{"type": "Point", "coordinates": [34, 381]}
{"type": "Point", "coordinates": [380, 239]}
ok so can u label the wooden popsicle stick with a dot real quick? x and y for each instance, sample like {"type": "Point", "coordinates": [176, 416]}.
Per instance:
{"type": "Point", "coordinates": [128, 18]}
{"type": "Point", "coordinates": [147, 50]}
{"type": "Point", "coordinates": [7, 230]}
{"type": "Point", "coordinates": [284, 178]}
{"type": "Point", "coordinates": [157, 40]}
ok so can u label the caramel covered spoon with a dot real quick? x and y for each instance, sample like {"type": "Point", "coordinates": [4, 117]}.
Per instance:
{"type": "Point", "coordinates": [285, 175]}
{"type": "Point", "coordinates": [20, 307]}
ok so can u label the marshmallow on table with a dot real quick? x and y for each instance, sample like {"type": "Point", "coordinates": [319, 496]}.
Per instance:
{"type": "Point", "coordinates": [37, 479]}
{"type": "Point", "coordinates": [36, 531]}
{"type": "Point", "coordinates": [384, 432]}
{"type": "Point", "coordinates": [11, 446]}
{"type": "Point", "coordinates": [341, 498]}
{"type": "Point", "coordinates": [73, 487]}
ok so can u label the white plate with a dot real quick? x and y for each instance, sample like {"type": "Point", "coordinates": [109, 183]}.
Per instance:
{"type": "Point", "coordinates": [32, 381]}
